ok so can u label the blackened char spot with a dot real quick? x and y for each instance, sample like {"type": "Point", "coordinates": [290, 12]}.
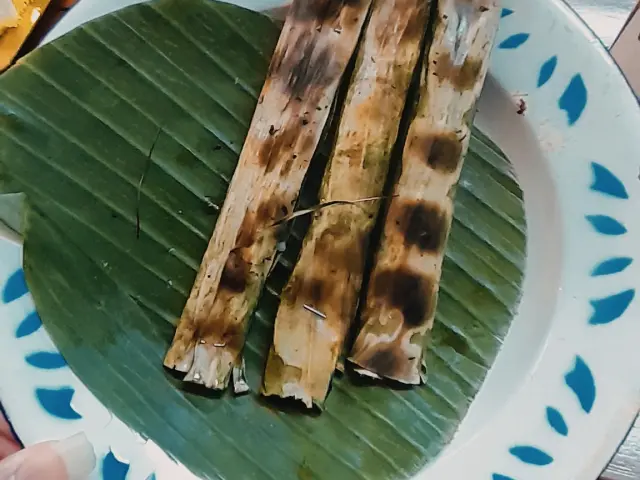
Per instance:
{"type": "Point", "coordinates": [268, 212]}
{"type": "Point", "coordinates": [321, 11]}
{"type": "Point", "coordinates": [235, 275]}
{"type": "Point", "coordinates": [271, 210]}
{"type": "Point", "coordinates": [424, 225]}
{"type": "Point", "coordinates": [384, 363]}
{"type": "Point", "coordinates": [411, 293]}
{"type": "Point", "coordinates": [288, 165]}
{"type": "Point", "coordinates": [230, 335]}
{"type": "Point", "coordinates": [342, 247]}
{"type": "Point", "coordinates": [247, 233]}
{"type": "Point", "coordinates": [469, 73]}
{"type": "Point", "coordinates": [276, 147]}
{"type": "Point", "coordinates": [233, 338]}
{"type": "Point", "coordinates": [445, 154]}
{"type": "Point", "coordinates": [339, 250]}
{"type": "Point", "coordinates": [416, 25]}
{"type": "Point", "coordinates": [441, 151]}
{"type": "Point", "coordinates": [462, 77]}
{"type": "Point", "coordinates": [314, 68]}
{"type": "Point", "coordinates": [314, 291]}
{"type": "Point", "coordinates": [302, 64]}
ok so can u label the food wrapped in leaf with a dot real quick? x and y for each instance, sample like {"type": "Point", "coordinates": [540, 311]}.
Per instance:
{"type": "Point", "coordinates": [315, 46]}
{"type": "Point", "coordinates": [403, 288]}
{"type": "Point", "coordinates": [319, 302]}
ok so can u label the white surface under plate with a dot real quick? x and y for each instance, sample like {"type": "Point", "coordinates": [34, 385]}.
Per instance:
{"type": "Point", "coordinates": [565, 388]}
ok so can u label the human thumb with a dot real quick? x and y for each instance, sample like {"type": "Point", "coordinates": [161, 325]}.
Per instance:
{"type": "Point", "coordinates": [279, 13]}
{"type": "Point", "coordinates": [69, 459]}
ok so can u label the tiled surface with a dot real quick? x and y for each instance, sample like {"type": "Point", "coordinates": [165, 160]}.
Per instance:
{"type": "Point", "coordinates": [626, 51]}
{"type": "Point", "coordinates": [605, 17]}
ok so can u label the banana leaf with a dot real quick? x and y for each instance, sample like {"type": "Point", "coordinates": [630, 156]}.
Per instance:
{"type": "Point", "coordinates": [123, 135]}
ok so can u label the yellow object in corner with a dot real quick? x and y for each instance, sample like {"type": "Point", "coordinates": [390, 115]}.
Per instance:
{"type": "Point", "coordinates": [17, 19]}
{"type": "Point", "coordinates": [8, 15]}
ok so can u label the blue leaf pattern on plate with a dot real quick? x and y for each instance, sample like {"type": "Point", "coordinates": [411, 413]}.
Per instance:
{"type": "Point", "coordinates": [574, 99]}
{"type": "Point", "coordinates": [514, 41]}
{"type": "Point", "coordinates": [46, 360]}
{"type": "Point", "coordinates": [580, 381]}
{"type": "Point", "coordinates": [547, 69]}
{"type": "Point", "coordinates": [58, 402]}
{"type": "Point", "coordinates": [606, 182]}
{"type": "Point", "coordinates": [611, 266]}
{"type": "Point", "coordinates": [531, 455]}
{"type": "Point", "coordinates": [113, 469]}
{"type": "Point", "coordinates": [608, 309]}
{"type": "Point", "coordinates": [506, 12]}
{"type": "Point", "coordinates": [152, 477]}
{"type": "Point", "coordinates": [29, 325]}
{"type": "Point", "coordinates": [497, 476]}
{"type": "Point", "coordinates": [556, 421]}
{"type": "Point", "coordinates": [606, 225]}
{"type": "Point", "coordinates": [15, 287]}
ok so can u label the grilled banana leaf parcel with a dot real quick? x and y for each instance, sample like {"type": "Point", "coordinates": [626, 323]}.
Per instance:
{"type": "Point", "coordinates": [403, 287]}
{"type": "Point", "coordinates": [315, 46]}
{"type": "Point", "coordinates": [319, 303]}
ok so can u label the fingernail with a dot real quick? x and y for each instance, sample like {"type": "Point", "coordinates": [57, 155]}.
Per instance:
{"type": "Point", "coordinates": [78, 456]}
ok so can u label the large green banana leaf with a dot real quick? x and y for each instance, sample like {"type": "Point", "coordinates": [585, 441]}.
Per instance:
{"type": "Point", "coordinates": [78, 119]}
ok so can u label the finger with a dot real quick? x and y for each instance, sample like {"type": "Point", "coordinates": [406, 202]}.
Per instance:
{"type": "Point", "coordinates": [279, 13]}
{"type": "Point", "coordinates": [5, 429]}
{"type": "Point", "coordinates": [8, 444]}
{"type": "Point", "coordinates": [70, 459]}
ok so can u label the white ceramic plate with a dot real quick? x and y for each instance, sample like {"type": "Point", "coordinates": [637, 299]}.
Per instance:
{"type": "Point", "coordinates": [566, 386]}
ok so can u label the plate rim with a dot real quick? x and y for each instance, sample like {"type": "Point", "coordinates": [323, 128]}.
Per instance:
{"type": "Point", "coordinates": [622, 415]}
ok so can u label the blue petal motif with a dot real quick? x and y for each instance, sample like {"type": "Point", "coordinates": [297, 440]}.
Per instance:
{"type": "Point", "coordinates": [531, 455]}
{"type": "Point", "coordinates": [606, 225]}
{"type": "Point", "coordinates": [611, 266]}
{"type": "Point", "coordinates": [152, 477]}
{"type": "Point", "coordinates": [30, 324]}
{"type": "Point", "coordinates": [556, 420]}
{"type": "Point", "coordinates": [46, 360]}
{"type": "Point", "coordinates": [57, 402]}
{"type": "Point", "coordinates": [506, 12]}
{"type": "Point", "coordinates": [606, 182]}
{"type": "Point", "coordinates": [113, 469]}
{"type": "Point", "coordinates": [514, 41]}
{"type": "Point", "coordinates": [15, 287]}
{"type": "Point", "coordinates": [574, 99]}
{"type": "Point", "coordinates": [497, 476]}
{"type": "Point", "coordinates": [608, 309]}
{"type": "Point", "coordinates": [580, 381]}
{"type": "Point", "coordinates": [547, 69]}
